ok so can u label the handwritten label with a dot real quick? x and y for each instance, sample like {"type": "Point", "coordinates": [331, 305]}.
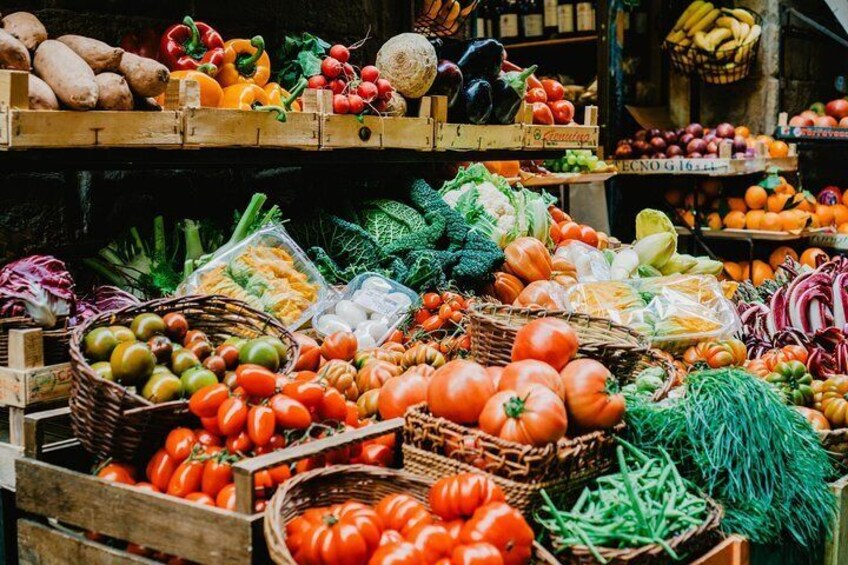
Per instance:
{"type": "Point", "coordinates": [49, 383]}
{"type": "Point", "coordinates": [831, 240]}
{"type": "Point", "coordinates": [672, 166]}
{"type": "Point", "coordinates": [809, 131]}
{"type": "Point", "coordinates": [562, 136]}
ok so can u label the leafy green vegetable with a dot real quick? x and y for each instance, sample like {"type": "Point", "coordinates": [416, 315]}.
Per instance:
{"type": "Point", "coordinates": [650, 221]}
{"type": "Point", "coordinates": [389, 220]}
{"type": "Point", "coordinates": [300, 56]}
{"type": "Point", "coordinates": [732, 435]}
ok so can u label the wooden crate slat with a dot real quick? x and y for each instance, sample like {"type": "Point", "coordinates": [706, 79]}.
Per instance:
{"type": "Point", "coordinates": [560, 137]}
{"type": "Point", "coordinates": [8, 455]}
{"type": "Point", "coordinates": [374, 132]}
{"type": "Point", "coordinates": [836, 548]}
{"type": "Point", "coordinates": [198, 533]}
{"type": "Point", "coordinates": [470, 137]}
{"type": "Point", "coordinates": [22, 388]}
{"type": "Point", "coordinates": [42, 545]}
{"type": "Point", "coordinates": [215, 127]}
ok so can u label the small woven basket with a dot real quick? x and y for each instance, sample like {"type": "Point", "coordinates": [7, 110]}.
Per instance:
{"type": "Point", "coordinates": [339, 484]}
{"type": "Point", "coordinates": [691, 543]}
{"type": "Point", "coordinates": [113, 421]}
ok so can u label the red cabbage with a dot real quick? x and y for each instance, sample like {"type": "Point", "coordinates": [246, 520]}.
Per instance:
{"type": "Point", "coordinates": [39, 286]}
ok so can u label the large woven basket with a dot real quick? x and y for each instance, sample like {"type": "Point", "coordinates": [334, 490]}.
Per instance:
{"type": "Point", "coordinates": [835, 443]}
{"type": "Point", "coordinates": [55, 340]}
{"type": "Point", "coordinates": [493, 328]}
{"type": "Point", "coordinates": [113, 421]}
{"type": "Point", "coordinates": [338, 484]}
{"type": "Point", "coordinates": [689, 544]}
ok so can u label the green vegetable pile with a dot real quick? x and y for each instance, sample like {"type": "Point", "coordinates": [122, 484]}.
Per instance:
{"type": "Point", "coordinates": [646, 502]}
{"type": "Point", "coordinates": [732, 434]}
{"type": "Point", "coordinates": [576, 161]}
{"type": "Point", "coordinates": [299, 57]}
{"type": "Point", "coordinates": [419, 241]}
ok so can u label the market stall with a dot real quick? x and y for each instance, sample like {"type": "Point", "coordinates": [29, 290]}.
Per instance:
{"type": "Point", "coordinates": [328, 302]}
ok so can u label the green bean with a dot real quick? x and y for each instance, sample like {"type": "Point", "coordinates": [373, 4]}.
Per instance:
{"type": "Point", "coordinates": [584, 496]}
{"type": "Point", "coordinates": [640, 514]}
{"type": "Point", "coordinates": [638, 455]}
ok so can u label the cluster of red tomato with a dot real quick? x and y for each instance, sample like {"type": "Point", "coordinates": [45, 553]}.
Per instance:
{"type": "Point", "coordinates": [439, 322]}
{"type": "Point", "coordinates": [538, 397]}
{"type": "Point", "coordinates": [549, 107]}
{"type": "Point", "coordinates": [467, 523]}
{"type": "Point", "coordinates": [565, 229]}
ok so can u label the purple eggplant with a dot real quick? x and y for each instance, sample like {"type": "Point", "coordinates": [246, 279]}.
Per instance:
{"type": "Point", "coordinates": [448, 81]}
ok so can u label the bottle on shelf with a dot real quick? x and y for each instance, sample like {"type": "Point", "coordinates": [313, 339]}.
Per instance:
{"type": "Point", "coordinates": [585, 16]}
{"type": "Point", "coordinates": [565, 17]}
{"type": "Point", "coordinates": [508, 21]}
{"type": "Point", "coordinates": [532, 19]}
{"type": "Point", "coordinates": [549, 13]}
{"type": "Point", "coordinates": [483, 21]}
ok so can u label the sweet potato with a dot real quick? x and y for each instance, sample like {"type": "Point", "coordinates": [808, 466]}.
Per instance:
{"type": "Point", "coordinates": [26, 28]}
{"type": "Point", "coordinates": [99, 56]}
{"type": "Point", "coordinates": [146, 77]}
{"type": "Point", "coordinates": [41, 96]}
{"type": "Point", "coordinates": [113, 92]}
{"type": "Point", "coordinates": [67, 74]}
{"type": "Point", "coordinates": [13, 53]}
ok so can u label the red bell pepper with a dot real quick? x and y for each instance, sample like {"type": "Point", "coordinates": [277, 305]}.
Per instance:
{"type": "Point", "coordinates": [186, 46]}
{"type": "Point", "coordinates": [142, 42]}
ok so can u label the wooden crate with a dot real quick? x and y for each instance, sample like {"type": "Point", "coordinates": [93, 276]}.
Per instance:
{"type": "Point", "coordinates": [163, 523]}
{"type": "Point", "coordinates": [471, 137]}
{"type": "Point", "coordinates": [836, 548]}
{"type": "Point", "coordinates": [372, 132]}
{"type": "Point", "coordinates": [733, 550]}
{"type": "Point", "coordinates": [564, 137]}
{"type": "Point", "coordinates": [22, 128]}
{"type": "Point", "coordinates": [217, 127]}
{"type": "Point", "coordinates": [26, 385]}
{"type": "Point", "coordinates": [43, 544]}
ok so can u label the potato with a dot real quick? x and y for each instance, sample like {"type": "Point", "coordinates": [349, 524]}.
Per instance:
{"type": "Point", "coordinates": [41, 96]}
{"type": "Point", "coordinates": [13, 53]}
{"type": "Point", "coordinates": [99, 56]}
{"type": "Point", "coordinates": [26, 28]}
{"type": "Point", "coordinates": [146, 77]}
{"type": "Point", "coordinates": [67, 74]}
{"type": "Point", "coordinates": [114, 92]}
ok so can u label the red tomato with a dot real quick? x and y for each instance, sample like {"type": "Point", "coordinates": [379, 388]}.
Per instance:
{"type": "Point", "coordinates": [211, 426]}
{"type": "Point", "coordinates": [431, 540]}
{"type": "Point", "coordinates": [256, 380]}
{"type": "Point", "coordinates": [262, 481]}
{"type": "Point", "coordinates": [289, 413]}
{"type": "Point", "coordinates": [352, 416]}
{"type": "Point", "coordinates": [217, 473]}
{"type": "Point", "coordinates": [307, 393]}
{"type": "Point", "coordinates": [459, 496]}
{"type": "Point", "coordinates": [377, 455]}
{"type": "Point", "coordinates": [205, 402]}
{"type": "Point", "coordinates": [420, 315]}
{"type": "Point", "coordinates": [503, 526]}
{"type": "Point", "coordinates": [459, 390]}
{"type": "Point", "coordinates": [226, 497]}
{"type": "Point", "coordinates": [569, 230]}
{"type": "Point", "coordinates": [232, 415]}
{"type": "Point", "coordinates": [200, 498]}
{"type": "Point", "coordinates": [589, 236]}
{"type": "Point", "coordinates": [278, 441]}
{"type": "Point", "coordinates": [150, 487]}
{"type": "Point", "coordinates": [239, 443]}
{"type": "Point", "coordinates": [588, 395]}
{"type": "Point", "coordinates": [400, 553]}
{"type": "Point", "coordinates": [206, 438]}
{"type": "Point", "coordinates": [480, 553]}
{"type": "Point", "coordinates": [553, 89]}
{"type": "Point", "coordinates": [549, 340]}
{"type": "Point", "coordinates": [332, 406]}
{"type": "Point", "coordinates": [280, 473]}
{"type": "Point", "coordinates": [230, 353]}
{"type": "Point", "coordinates": [445, 312]}
{"type": "Point", "coordinates": [186, 479]}
{"type": "Point", "coordinates": [432, 324]}
{"type": "Point", "coordinates": [530, 371]}
{"type": "Point", "coordinates": [160, 468]}
{"type": "Point", "coordinates": [390, 536]}
{"type": "Point", "coordinates": [310, 353]}
{"type": "Point", "coordinates": [179, 443]}
{"type": "Point", "coordinates": [431, 300]}
{"type": "Point", "coordinates": [535, 95]}
{"type": "Point", "coordinates": [403, 513]}
{"type": "Point", "coordinates": [260, 424]}
{"type": "Point", "coordinates": [117, 473]}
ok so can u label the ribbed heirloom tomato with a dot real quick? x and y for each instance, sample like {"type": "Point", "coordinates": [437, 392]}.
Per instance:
{"type": "Point", "coordinates": [431, 540]}
{"type": "Point", "coordinates": [348, 533]}
{"type": "Point", "coordinates": [399, 393]}
{"type": "Point", "coordinates": [459, 390]}
{"type": "Point", "coordinates": [398, 553]}
{"type": "Point", "coordinates": [547, 339]}
{"type": "Point", "coordinates": [480, 553]}
{"type": "Point", "coordinates": [532, 415]}
{"type": "Point", "coordinates": [339, 345]}
{"type": "Point", "coordinates": [530, 371]}
{"type": "Point", "coordinates": [401, 512]}
{"type": "Point", "coordinates": [591, 395]}
{"type": "Point", "coordinates": [459, 496]}
{"type": "Point", "coordinates": [504, 527]}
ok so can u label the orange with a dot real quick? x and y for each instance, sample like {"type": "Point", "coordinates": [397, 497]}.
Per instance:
{"type": "Point", "coordinates": [777, 202]}
{"type": "Point", "coordinates": [767, 139]}
{"type": "Point", "coordinates": [793, 220]}
{"type": "Point", "coordinates": [771, 222]}
{"type": "Point", "coordinates": [753, 218]}
{"type": "Point", "coordinates": [825, 214]}
{"type": "Point", "coordinates": [843, 228]}
{"type": "Point", "coordinates": [814, 221]}
{"type": "Point", "coordinates": [746, 269]}
{"type": "Point", "coordinates": [714, 221]}
{"type": "Point", "coordinates": [804, 201]}
{"type": "Point", "coordinates": [785, 188]}
{"type": "Point", "coordinates": [742, 131]}
{"type": "Point", "coordinates": [811, 255]}
{"type": "Point", "coordinates": [760, 272]}
{"type": "Point", "coordinates": [674, 196]}
{"type": "Point", "coordinates": [845, 197]}
{"type": "Point", "coordinates": [840, 214]}
{"type": "Point", "coordinates": [737, 204]}
{"type": "Point", "coordinates": [779, 255]}
{"type": "Point", "coordinates": [734, 270]}
{"type": "Point", "coordinates": [735, 220]}
{"type": "Point", "coordinates": [755, 197]}
{"type": "Point", "coordinates": [689, 218]}
{"type": "Point", "coordinates": [778, 149]}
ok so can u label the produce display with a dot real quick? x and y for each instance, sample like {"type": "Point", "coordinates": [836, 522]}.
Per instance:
{"type": "Point", "coordinates": [577, 161]}
{"type": "Point", "coordinates": [721, 31]}
{"type": "Point", "coordinates": [696, 141]}
{"type": "Point", "coordinates": [830, 115]}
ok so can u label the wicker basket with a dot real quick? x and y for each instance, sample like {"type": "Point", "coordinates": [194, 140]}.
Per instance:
{"type": "Point", "coordinates": [55, 340]}
{"type": "Point", "coordinates": [692, 543]}
{"type": "Point", "coordinates": [836, 444]}
{"type": "Point", "coordinates": [113, 421]}
{"type": "Point", "coordinates": [338, 484]}
{"type": "Point", "coordinates": [563, 468]}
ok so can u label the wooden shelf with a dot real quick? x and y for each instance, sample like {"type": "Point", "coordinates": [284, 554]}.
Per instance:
{"type": "Point", "coordinates": [705, 167]}
{"type": "Point", "coordinates": [551, 42]}
{"type": "Point", "coordinates": [528, 180]}
{"type": "Point", "coordinates": [743, 235]}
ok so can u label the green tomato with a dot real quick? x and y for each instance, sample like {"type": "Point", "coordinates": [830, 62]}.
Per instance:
{"type": "Point", "coordinates": [104, 370]}
{"type": "Point", "coordinates": [196, 378]}
{"type": "Point", "coordinates": [237, 342]}
{"type": "Point", "coordinates": [99, 343]}
{"type": "Point", "coordinates": [162, 387]}
{"type": "Point", "coordinates": [132, 362]}
{"type": "Point", "coordinates": [282, 349]}
{"type": "Point", "coordinates": [182, 360]}
{"type": "Point", "coordinates": [260, 352]}
{"type": "Point", "coordinates": [122, 333]}
{"type": "Point", "coordinates": [145, 326]}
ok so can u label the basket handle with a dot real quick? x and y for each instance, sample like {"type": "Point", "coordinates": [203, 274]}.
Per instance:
{"type": "Point", "coordinates": [34, 425]}
{"type": "Point", "coordinates": [243, 471]}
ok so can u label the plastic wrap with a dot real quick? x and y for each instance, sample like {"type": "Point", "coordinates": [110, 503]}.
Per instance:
{"type": "Point", "coordinates": [384, 302]}
{"type": "Point", "coordinates": [589, 262]}
{"type": "Point", "coordinates": [675, 311]}
{"type": "Point", "coordinates": [269, 272]}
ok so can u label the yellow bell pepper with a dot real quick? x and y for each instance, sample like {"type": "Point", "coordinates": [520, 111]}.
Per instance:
{"type": "Point", "coordinates": [210, 91]}
{"type": "Point", "coordinates": [243, 96]}
{"type": "Point", "coordinates": [245, 60]}
{"type": "Point", "coordinates": [277, 96]}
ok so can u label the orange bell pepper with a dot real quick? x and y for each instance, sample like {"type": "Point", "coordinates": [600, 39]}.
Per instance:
{"type": "Point", "coordinates": [277, 96]}
{"type": "Point", "coordinates": [210, 91]}
{"type": "Point", "coordinates": [243, 96]}
{"type": "Point", "coordinates": [245, 60]}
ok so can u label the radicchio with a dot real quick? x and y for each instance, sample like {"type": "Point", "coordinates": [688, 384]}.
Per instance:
{"type": "Point", "coordinates": [39, 286]}
{"type": "Point", "coordinates": [103, 299]}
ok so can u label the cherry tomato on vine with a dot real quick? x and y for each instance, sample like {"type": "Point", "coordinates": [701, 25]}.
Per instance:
{"type": "Point", "coordinates": [160, 468]}
{"type": "Point", "coordinates": [232, 415]}
{"type": "Point", "coordinates": [205, 402]}
{"type": "Point", "coordinates": [239, 443]}
{"type": "Point", "coordinates": [291, 414]}
{"type": "Point", "coordinates": [260, 424]}
{"type": "Point", "coordinates": [179, 443]}
{"type": "Point", "coordinates": [432, 323]}
{"type": "Point", "coordinates": [309, 394]}
{"type": "Point", "coordinates": [186, 479]}
{"type": "Point", "coordinates": [431, 300]}
{"type": "Point", "coordinates": [217, 473]}
{"type": "Point", "coordinates": [116, 473]}
{"type": "Point", "coordinates": [226, 498]}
